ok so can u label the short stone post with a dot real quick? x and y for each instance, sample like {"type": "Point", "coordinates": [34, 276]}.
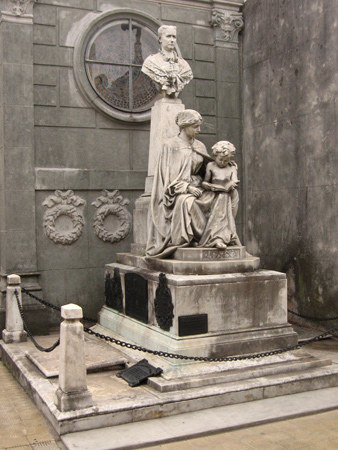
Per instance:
{"type": "Point", "coordinates": [72, 392]}
{"type": "Point", "coordinates": [14, 331]}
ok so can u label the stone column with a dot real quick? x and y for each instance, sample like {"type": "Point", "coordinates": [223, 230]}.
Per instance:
{"type": "Point", "coordinates": [17, 180]}
{"type": "Point", "coordinates": [14, 331]}
{"type": "Point", "coordinates": [72, 392]}
{"type": "Point", "coordinates": [227, 21]}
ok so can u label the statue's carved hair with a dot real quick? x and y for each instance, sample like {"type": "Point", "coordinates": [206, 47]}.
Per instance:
{"type": "Point", "coordinates": [188, 117]}
{"type": "Point", "coordinates": [225, 148]}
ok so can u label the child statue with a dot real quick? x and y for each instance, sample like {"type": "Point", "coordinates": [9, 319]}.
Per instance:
{"type": "Point", "coordinates": [221, 178]}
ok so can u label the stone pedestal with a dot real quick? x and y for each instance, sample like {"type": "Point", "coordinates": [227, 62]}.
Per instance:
{"type": "Point", "coordinates": [163, 127]}
{"type": "Point", "coordinates": [14, 331]}
{"type": "Point", "coordinates": [204, 307]}
{"type": "Point", "coordinates": [72, 392]}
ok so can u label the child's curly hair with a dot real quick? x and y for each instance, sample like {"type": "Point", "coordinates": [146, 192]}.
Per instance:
{"type": "Point", "coordinates": [223, 147]}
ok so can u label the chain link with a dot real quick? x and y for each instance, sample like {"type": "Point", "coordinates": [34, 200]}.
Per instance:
{"type": "Point", "coordinates": [319, 319]}
{"type": "Point", "coordinates": [192, 358]}
{"type": "Point", "coordinates": [38, 346]}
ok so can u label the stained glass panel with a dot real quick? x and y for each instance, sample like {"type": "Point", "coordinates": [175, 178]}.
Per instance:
{"type": "Point", "coordinates": [111, 83]}
{"type": "Point", "coordinates": [114, 58]}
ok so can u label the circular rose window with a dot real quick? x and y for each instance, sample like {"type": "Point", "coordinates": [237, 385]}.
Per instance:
{"type": "Point", "coordinates": [113, 50]}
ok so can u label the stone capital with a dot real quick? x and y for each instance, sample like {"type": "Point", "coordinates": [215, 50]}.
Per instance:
{"type": "Point", "coordinates": [227, 25]}
{"type": "Point", "coordinates": [17, 10]}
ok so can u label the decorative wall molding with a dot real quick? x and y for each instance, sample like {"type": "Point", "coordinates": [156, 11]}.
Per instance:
{"type": "Point", "coordinates": [227, 24]}
{"type": "Point", "coordinates": [61, 205]}
{"type": "Point", "coordinates": [111, 203]}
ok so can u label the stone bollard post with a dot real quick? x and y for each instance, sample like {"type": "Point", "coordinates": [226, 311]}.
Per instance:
{"type": "Point", "coordinates": [14, 331]}
{"type": "Point", "coordinates": [72, 392]}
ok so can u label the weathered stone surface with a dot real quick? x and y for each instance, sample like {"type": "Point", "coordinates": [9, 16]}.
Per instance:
{"type": "Point", "coordinates": [45, 95]}
{"type": "Point", "coordinates": [69, 19]}
{"type": "Point", "coordinates": [66, 117]}
{"type": "Point", "coordinates": [44, 75]}
{"type": "Point", "coordinates": [204, 53]}
{"type": "Point", "coordinates": [53, 56]}
{"type": "Point", "coordinates": [228, 97]}
{"type": "Point", "coordinates": [69, 92]}
{"type": "Point", "coordinates": [204, 70]}
{"type": "Point", "coordinates": [203, 35]}
{"type": "Point", "coordinates": [185, 15]}
{"type": "Point", "coordinates": [205, 88]}
{"type": "Point", "coordinates": [18, 132]}
{"type": "Point", "coordinates": [206, 106]}
{"type": "Point", "coordinates": [17, 43]}
{"type": "Point", "coordinates": [45, 14]}
{"type": "Point", "coordinates": [18, 81]}
{"type": "Point", "coordinates": [227, 65]}
{"type": "Point", "coordinates": [84, 4]}
{"type": "Point", "coordinates": [151, 8]}
{"type": "Point", "coordinates": [43, 34]}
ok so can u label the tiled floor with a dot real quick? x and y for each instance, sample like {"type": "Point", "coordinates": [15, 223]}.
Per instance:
{"type": "Point", "coordinates": [22, 427]}
{"type": "Point", "coordinates": [316, 432]}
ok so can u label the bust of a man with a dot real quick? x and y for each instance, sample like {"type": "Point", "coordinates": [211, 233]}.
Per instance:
{"type": "Point", "coordinates": [166, 68]}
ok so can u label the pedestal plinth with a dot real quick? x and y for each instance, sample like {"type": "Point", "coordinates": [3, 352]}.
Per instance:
{"type": "Point", "coordinates": [236, 309]}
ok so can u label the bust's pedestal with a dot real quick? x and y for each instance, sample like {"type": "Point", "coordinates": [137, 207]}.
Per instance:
{"type": "Point", "coordinates": [210, 303]}
{"type": "Point", "coordinates": [162, 128]}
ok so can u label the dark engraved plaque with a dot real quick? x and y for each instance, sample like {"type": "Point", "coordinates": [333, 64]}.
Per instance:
{"type": "Point", "coordinates": [139, 372]}
{"type": "Point", "coordinates": [192, 325]}
{"type": "Point", "coordinates": [136, 287]}
{"type": "Point", "coordinates": [113, 291]}
{"type": "Point", "coordinates": [164, 308]}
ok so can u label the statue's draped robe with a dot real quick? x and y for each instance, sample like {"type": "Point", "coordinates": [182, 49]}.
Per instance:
{"type": "Point", "coordinates": [177, 217]}
{"type": "Point", "coordinates": [220, 226]}
{"type": "Point", "coordinates": [172, 75]}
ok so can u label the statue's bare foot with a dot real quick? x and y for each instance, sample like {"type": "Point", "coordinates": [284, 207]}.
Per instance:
{"type": "Point", "coordinates": [220, 245]}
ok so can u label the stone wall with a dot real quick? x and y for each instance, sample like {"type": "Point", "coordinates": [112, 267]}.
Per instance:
{"type": "Point", "coordinates": [290, 87]}
{"type": "Point", "coordinates": [55, 141]}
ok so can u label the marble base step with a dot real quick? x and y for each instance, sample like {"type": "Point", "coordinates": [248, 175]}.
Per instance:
{"type": "Point", "coordinates": [115, 403]}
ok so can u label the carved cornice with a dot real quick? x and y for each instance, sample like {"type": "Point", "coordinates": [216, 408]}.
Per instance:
{"type": "Point", "coordinates": [227, 25]}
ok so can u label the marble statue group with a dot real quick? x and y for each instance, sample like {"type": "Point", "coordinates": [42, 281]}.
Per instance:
{"type": "Point", "coordinates": [194, 198]}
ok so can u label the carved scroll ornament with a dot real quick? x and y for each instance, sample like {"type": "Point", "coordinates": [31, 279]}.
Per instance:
{"type": "Point", "coordinates": [65, 204]}
{"type": "Point", "coordinates": [229, 24]}
{"type": "Point", "coordinates": [111, 203]}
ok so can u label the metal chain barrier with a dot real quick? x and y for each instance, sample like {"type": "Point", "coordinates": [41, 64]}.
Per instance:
{"type": "Point", "coordinates": [38, 346]}
{"type": "Point", "coordinates": [192, 358]}
{"type": "Point", "coordinates": [317, 319]}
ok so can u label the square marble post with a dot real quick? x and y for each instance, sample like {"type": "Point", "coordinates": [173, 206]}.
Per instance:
{"type": "Point", "coordinates": [72, 392]}
{"type": "Point", "coordinates": [14, 331]}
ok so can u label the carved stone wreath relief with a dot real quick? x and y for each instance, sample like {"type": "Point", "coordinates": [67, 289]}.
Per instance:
{"type": "Point", "coordinates": [63, 221]}
{"type": "Point", "coordinates": [112, 221]}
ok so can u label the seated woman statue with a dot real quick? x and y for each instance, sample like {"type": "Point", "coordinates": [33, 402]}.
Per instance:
{"type": "Point", "coordinates": [178, 205]}
{"type": "Point", "coordinates": [181, 208]}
